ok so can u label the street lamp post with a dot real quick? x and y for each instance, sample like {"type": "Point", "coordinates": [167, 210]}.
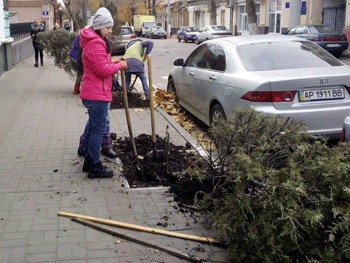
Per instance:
{"type": "Point", "coordinates": [168, 18]}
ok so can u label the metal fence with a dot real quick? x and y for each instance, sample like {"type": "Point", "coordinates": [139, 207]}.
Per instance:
{"type": "Point", "coordinates": [20, 30]}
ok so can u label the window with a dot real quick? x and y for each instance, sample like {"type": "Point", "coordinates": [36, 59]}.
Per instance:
{"type": "Point", "coordinates": [291, 31]}
{"type": "Point", "coordinates": [127, 31]}
{"type": "Point", "coordinates": [242, 24]}
{"type": "Point", "coordinates": [216, 58]}
{"type": "Point", "coordinates": [275, 16]}
{"type": "Point", "coordinates": [196, 59]}
{"type": "Point", "coordinates": [300, 30]}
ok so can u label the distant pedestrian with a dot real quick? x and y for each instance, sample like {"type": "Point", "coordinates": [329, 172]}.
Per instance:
{"type": "Point", "coordinates": [136, 53]}
{"type": "Point", "coordinates": [37, 27]}
{"type": "Point", "coordinates": [56, 26]}
{"type": "Point", "coordinates": [96, 89]}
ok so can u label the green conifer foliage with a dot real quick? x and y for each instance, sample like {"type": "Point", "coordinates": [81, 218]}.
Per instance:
{"type": "Point", "coordinates": [285, 196]}
{"type": "Point", "coordinates": [57, 44]}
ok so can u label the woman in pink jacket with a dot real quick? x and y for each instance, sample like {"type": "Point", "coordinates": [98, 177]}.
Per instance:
{"type": "Point", "coordinates": [96, 89]}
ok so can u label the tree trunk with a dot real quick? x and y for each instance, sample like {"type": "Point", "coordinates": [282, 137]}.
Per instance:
{"type": "Point", "coordinates": [212, 12]}
{"type": "Point", "coordinates": [252, 18]}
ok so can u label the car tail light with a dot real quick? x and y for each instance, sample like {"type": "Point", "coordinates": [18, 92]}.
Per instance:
{"type": "Point", "coordinates": [331, 38]}
{"type": "Point", "coordinates": [133, 36]}
{"type": "Point", "coordinates": [342, 136]}
{"type": "Point", "coordinates": [266, 96]}
{"type": "Point", "coordinates": [316, 39]}
{"type": "Point", "coordinates": [348, 88]}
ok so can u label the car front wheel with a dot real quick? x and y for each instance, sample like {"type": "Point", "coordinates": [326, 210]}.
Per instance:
{"type": "Point", "coordinates": [197, 41]}
{"type": "Point", "coordinates": [217, 113]}
{"type": "Point", "coordinates": [171, 86]}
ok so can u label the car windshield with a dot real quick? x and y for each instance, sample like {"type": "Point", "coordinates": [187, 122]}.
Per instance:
{"type": "Point", "coordinates": [148, 24]}
{"type": "Point", "coordinates": [127, 31]}
{"type": "Point", "coordinates": [191, 29]}
{"type": "Point", "coordinates": [156, 28]}
{"type": "Point", "coordinates": [321, 29]}
{"type": "Point", "coordinates": [219, 28]}
{"type": "Point", "coordinates": [285, 55]}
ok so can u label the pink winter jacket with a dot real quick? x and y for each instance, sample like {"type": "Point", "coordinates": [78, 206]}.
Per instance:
{"type": "Point", "coordinates": [96, 83]}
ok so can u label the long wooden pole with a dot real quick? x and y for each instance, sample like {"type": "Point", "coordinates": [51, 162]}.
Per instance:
{"type": "Point", "coordinates": [113, 232]}
{"type": "Point", "coordinates": [141, 228]}
{"type": "Point", "coordinates": [151, 101]}
{"type": "Point", "coordinates": [126, 106]}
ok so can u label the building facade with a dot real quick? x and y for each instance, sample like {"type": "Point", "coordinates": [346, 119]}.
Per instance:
{"type": "Point", "coordinates": [273, 16]}
{"type": "Point", "coordinates": [24, 11]}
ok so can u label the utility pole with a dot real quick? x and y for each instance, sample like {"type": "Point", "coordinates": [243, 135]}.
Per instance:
{"type": "Point", "coordinates": [168, 19]}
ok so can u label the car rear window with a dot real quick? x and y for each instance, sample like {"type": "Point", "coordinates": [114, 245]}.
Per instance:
{"type": "Point", "coordinates": [219, 28]}
{"type": "Point", "coordinates": [191, 29]}
{"type": "Point", "coordinates": [284, 55]}
{"type": "Point", "coordinates": [127, 31]}
{"type": "Point", "coordinates": [321, 29]}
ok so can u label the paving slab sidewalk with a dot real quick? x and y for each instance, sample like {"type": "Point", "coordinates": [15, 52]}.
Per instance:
{"type": "Point", "coordinates": [40, 174]}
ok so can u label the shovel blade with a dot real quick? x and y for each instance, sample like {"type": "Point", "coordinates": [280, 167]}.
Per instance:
{"type": "Point", "coordinates": [155, 156]}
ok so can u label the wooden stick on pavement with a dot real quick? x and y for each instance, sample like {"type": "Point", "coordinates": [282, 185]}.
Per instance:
{"type": "Point", "coordinates": [113, 232]}
{"type": "Point", "coordinates": [141, 228]}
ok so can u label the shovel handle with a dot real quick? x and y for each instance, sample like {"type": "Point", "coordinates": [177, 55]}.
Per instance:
{"type": "Point", "coordinates": [151, 101]}
{"type": "Point", "coordinates": [126, 105]}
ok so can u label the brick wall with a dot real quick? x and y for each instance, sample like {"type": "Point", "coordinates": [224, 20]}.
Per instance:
{"type": "Point", "coordinates": [346, 31]}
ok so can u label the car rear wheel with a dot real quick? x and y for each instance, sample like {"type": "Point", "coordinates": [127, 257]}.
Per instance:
{"type": "Point", "coordinates": [178, 39]}
{"type": "Point", "coordinates": [185, 39]}
{"type": "Point", "coordinates": [165, 37]}
{"type": "Point", "coordinates": [217, 113]}
{"type": "Point", "coordinates": [171, 86]}
{"type": "Point", "coordinates": [197, 41]}
{"type": "Point", "coordinates": [152, 36]}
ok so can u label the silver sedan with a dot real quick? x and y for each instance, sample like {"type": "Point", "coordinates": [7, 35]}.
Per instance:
{"type": "Point", "coordinates": [211, 32]}
{"type": "Point", "coordinates": [277, 75]}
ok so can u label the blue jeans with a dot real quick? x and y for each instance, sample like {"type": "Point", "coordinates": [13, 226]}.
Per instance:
{"type": "Point", "coordinates": [96, 127]}
{"type": "Point", "coordinates": [143, 79]}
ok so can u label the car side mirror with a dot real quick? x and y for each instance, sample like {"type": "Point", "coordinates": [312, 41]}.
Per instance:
{"type": "Point", "coordinates": [179, 62]}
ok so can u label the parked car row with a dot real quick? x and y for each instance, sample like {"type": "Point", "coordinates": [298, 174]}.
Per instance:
{"type": "Point", "coordinates": [324, 36]}
{"type": "Point", "coordinates": [273, 74]}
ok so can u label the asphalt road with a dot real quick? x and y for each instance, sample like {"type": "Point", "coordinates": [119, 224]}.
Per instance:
{"type": "Point", "coordinates": [164, 52]}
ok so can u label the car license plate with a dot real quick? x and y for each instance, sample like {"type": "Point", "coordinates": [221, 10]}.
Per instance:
{"type": "Point", "coordinates": [321, 94]}
{"type": "Point", "coordinates": [333, 45]}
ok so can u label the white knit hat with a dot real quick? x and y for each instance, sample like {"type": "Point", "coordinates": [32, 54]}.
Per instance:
{"type": "Point", "coordinates": [103, 18]}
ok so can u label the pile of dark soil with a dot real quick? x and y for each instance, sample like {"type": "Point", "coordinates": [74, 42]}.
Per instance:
{"type": "Point", "coordinates": [158, 173]}
{"type": "Point", "coordinates": [134, 100]}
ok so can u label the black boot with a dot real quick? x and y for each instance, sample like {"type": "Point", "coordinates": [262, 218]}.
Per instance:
{"type": "Point", "coordinates": [36, 63]}
{"type": "Point", "coordinates": [98, 171]}
{"type": "Point", "coordinates": [87, 164]}
{"type": "Point", "coordinates": [42, 63]}
{"type": "Point", "coordinates": [109, 153]}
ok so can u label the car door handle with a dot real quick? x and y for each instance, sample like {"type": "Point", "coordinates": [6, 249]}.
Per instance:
{"type": "Point", "coordinates": [212, 77]}
{"type": "Point", "coordinates": [191, 74]}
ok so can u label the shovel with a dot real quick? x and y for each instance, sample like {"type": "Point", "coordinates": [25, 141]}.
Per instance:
{"type": "Point", "coordinates": [154, 155]}
{"type": "Point", "coordinates": [139, 172]}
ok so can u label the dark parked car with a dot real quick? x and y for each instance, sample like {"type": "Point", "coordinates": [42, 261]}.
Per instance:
{"type": "Point", "coordinates": [324, 36]}
{"type": "Point", "coordinates": [156, 32]}
{"type": "Point", "coordinates": [187, 33]}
